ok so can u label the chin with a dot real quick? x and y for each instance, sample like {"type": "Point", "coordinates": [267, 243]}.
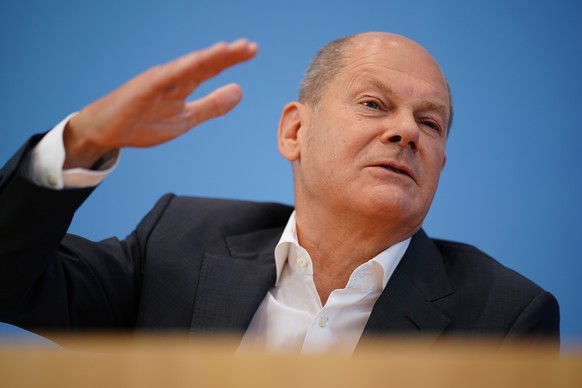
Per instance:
{"type": "Point", "coordinates": [397, 208]}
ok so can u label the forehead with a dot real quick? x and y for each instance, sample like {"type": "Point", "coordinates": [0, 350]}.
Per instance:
{"type": "Point", "coordinates": [388, 58]}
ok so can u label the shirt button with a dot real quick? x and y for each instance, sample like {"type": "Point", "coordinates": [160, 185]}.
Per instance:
{"type": "Point", "coordinates": [52, 180]}
{"type": "Point", "coordinates": [301, 262]}
{"type": "Point", "coordinates": [323, 321]}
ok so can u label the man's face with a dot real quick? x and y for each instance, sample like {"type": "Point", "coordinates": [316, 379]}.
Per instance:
{"type": "Point", "coordinates": [374, 145]}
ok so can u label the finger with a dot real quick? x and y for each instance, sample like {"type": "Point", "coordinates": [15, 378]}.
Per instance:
{"type": "Point", "coordinates": [185, 73]}
{"type": "Point", "coordinates": [207, 63]}
{"type": "Point", "coordinates": [217, 103]}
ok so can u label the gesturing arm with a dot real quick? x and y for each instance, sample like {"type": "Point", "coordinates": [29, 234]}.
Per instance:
{"type": "Point", "coordinates": [151, 109]}
{"type": "Point", "coordinates": [42, 281]}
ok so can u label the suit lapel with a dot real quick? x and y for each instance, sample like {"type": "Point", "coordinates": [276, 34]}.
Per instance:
{"type": "Point", "coordinates": [406, 307]}
{"type": "Point", "coordinates": [231, 287]}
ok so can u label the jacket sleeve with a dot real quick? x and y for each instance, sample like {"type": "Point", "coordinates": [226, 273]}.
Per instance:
{"type": "Point", "coordinates": [49, 279]}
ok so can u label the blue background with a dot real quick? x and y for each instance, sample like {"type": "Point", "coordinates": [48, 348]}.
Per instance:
{"type": "Point", "coordinates": [512, 184]}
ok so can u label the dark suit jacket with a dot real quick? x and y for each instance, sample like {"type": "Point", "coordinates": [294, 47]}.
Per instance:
{"type": "Point", "coordinates": [204, 265]}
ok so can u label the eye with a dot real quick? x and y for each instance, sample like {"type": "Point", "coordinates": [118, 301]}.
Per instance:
{"type": "Point", "coordinates": [434, 125]}
{"type": "Point", "coordinates": [371, 104]}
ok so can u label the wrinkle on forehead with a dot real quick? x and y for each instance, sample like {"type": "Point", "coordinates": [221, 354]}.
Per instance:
{"type": "Point", "coordinates": [397, 53]}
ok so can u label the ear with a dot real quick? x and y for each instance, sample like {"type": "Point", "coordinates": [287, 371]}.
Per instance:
{"type": "Point", "coordinates": [290, 123]}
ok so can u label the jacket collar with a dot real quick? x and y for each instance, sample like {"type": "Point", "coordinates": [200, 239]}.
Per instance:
{"type": "Point", "coordinates": [231, 287]}
{"type": "Point", "coordinates": [405, 307]}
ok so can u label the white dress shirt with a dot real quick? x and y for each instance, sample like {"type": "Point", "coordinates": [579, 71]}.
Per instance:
{"type": "Point", "coordinates": [290, 317]}
{"type": "Point", "coordinates": [45, 166]}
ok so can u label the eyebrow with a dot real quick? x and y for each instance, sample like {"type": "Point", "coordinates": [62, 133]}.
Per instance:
{"type": "Point", "coordinates": [375, 82]}
{"type": "Point", "coordinates": [436, 107]}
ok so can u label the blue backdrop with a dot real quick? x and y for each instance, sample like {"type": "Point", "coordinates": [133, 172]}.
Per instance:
{"type": "Point", "coordinates": [512, 184]}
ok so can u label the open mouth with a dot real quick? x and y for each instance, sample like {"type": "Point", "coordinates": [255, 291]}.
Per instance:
{"type": "Point", "coordinates": [396, 169]}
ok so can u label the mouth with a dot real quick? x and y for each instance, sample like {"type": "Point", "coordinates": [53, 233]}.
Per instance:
{"type": "Point", "coordinates": [396, 168]}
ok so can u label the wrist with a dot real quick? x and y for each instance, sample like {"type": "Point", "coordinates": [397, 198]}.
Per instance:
{"type": "Point", "coordinates": [80, 152]}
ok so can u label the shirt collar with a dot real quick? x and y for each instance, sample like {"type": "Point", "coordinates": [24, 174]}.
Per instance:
{"type": "Point", "coordinates": [387, 259]}
{"type": "Point", "coordinates": [288, 240]}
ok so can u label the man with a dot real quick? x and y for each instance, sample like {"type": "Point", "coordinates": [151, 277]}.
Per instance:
{"type": "Point", "coordinates": [367, 144]}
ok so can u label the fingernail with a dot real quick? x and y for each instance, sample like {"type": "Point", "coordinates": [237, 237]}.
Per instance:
{"type": "Point", "coordinates": [240, 41]}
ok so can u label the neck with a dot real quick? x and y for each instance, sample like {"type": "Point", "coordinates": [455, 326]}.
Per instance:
{"type": "Point", "coordinates": [339, 242]}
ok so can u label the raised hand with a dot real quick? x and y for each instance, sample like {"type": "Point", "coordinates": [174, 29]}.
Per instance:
{"type": "Point", "coordinates": [150, 109]}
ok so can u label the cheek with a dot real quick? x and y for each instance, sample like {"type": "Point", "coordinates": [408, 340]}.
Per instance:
{"type": "Point", "coordinates": [327, 166]}
{"type": "Point", "coordinates": [434, 169]}
{"type": "Point", "coordinates": [334, 147]}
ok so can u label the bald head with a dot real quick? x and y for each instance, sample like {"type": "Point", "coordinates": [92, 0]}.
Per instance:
{"type": "Point", "coordinates": [405, 54]}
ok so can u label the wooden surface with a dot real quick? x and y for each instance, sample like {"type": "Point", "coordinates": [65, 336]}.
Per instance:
{"type": "Point", "coordinates": [180, 362]}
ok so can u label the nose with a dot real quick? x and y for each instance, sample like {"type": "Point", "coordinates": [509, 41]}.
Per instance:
{"type": "Point", "coordinates": [403, 130]}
